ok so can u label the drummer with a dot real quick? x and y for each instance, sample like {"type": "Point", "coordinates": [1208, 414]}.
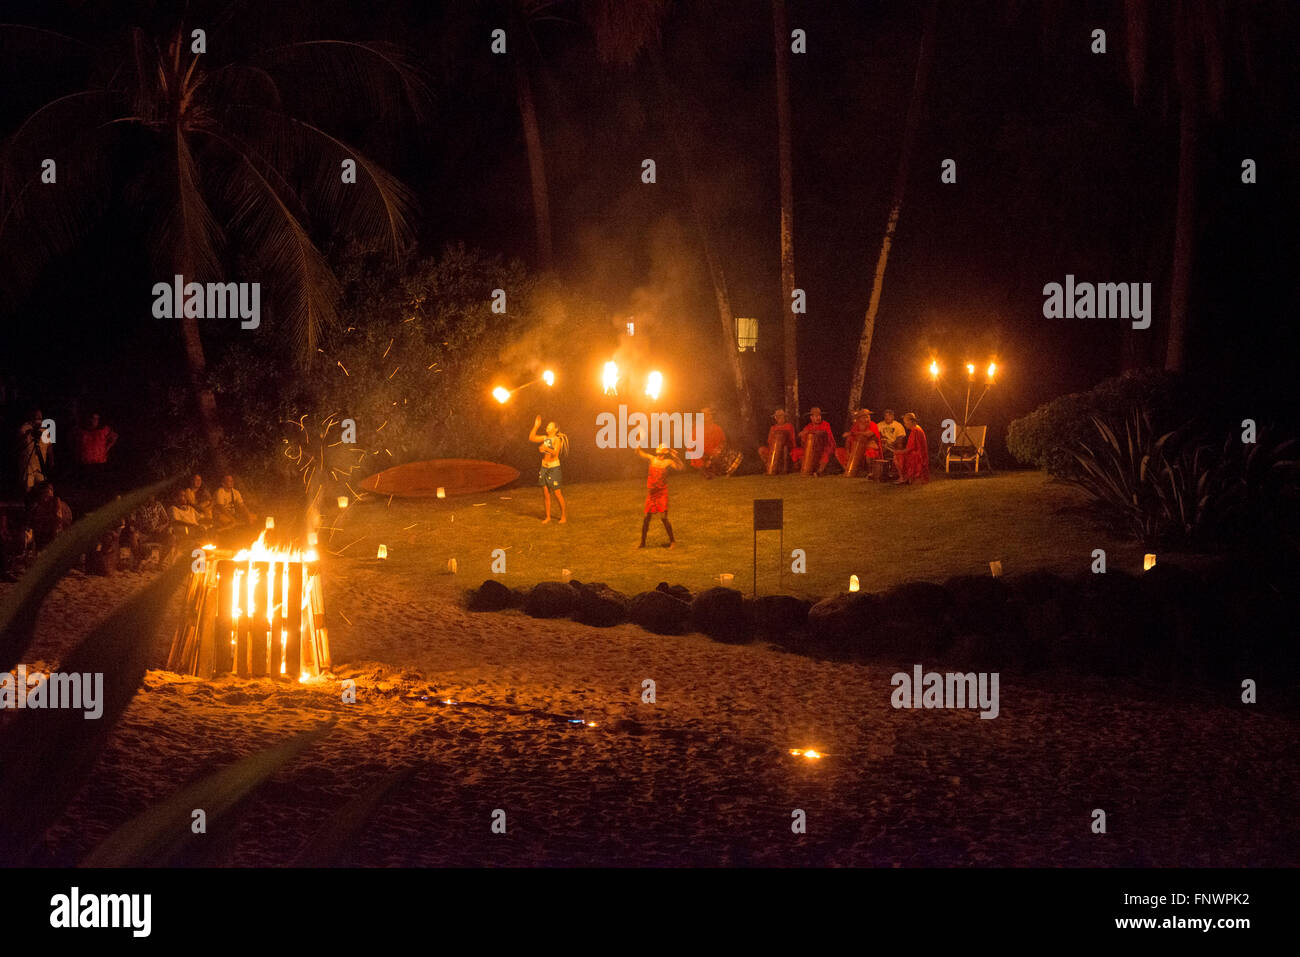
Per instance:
{"type": "Point", "coordinates": [781, 426]}
{"type": "Point", "coordinates": [716, 458]}
{"type": "Point", "coordinates": [862, 425]}
{"type": "Point", "coordinates": [815, 425]}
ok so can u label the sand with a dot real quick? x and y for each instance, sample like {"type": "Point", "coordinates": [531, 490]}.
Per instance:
{"type": "Point", "coordinates": [702, 776]}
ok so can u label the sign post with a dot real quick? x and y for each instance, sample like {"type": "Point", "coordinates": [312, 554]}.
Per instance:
{"type": "Point", "coordinates": [768, 517]}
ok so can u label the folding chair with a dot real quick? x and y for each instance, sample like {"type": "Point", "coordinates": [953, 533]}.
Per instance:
{"type": "Point", "coordinates": [968, 449]}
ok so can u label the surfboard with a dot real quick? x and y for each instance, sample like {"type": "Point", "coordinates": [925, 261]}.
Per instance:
{"type": "Point", "coordinates": [455, 476]}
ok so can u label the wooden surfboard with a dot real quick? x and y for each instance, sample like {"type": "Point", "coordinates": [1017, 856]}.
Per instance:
{"type": "Point", "coordinates": [455, 476]}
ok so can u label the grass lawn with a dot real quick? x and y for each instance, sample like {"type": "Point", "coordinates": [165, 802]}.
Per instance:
{"type": "Point", "coordinates": [883, 534]}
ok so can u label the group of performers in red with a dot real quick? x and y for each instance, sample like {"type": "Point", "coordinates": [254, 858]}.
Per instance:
{"type": "Point", "coordinates": [900, 446]}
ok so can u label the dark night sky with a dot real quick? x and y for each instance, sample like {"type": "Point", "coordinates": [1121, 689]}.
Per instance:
{"type": "Point", "coordinates": [1058, 172]}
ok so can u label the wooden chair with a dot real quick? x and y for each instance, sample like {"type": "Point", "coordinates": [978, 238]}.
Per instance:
{"type": "Point", "coordinates": [968, 449]}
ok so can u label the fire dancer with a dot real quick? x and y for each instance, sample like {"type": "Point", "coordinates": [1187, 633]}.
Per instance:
{"type": "Point", "coordinates": [862, 425]}
{"type": "Point", "coordinates": [913, 462]}
{"type": "Point", "coordinates": [553, 445]}
{"type": "Point", "coordinates": [656, 483]}
{"type": "Point", "coordinates": [816, 425]}
{"type": "Point", "coordinates": [773, 437]}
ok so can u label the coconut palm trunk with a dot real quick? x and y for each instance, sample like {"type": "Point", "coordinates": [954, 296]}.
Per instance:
{"type": "Point", "coordinates": [536, 161]}
{"type": "Point", "coordinates": [789, 322]}
{"type": "Point", "coordinates": [670, 100]}
{"type": "Point", "coordinates": [914, 109]}
{"type": "Point", "coordinates": [1185, 218]}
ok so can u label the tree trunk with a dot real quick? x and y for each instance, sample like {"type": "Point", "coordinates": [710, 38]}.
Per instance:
{"type": "Point", "coordinates": [536, 161]}
{"type": "Point", "coordinates": [1184, 236]}
{"type": "Point", "coordinates": [728, 322]}
{"type": "Point", "coordinates": [204, 398]}
{"type": "Point", "coordinates": [923, 60]}
{"type": "Point", "coordinates": [789, 322]}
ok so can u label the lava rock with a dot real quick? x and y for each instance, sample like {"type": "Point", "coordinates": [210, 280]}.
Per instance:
{"type": "Point", "coordinates": [659, 612]}
{"type": "Point", "coordinates": [914, 621]}
{"type": "Point", "coordinates": [492, 596]}
{"type": "Point", "coordinates": [551, 600]}
{"type": "Point", "coordinates": [777, 616]}
{"type": "Point", "coordinates": [1047, 605]}
{"type": "Point", "coordinates": [720, 614]}
{"type": "Point", "coordinates": [845, 624]}
{"type": "Point", "coordinates": [677, 591]}
{"type": "Point", "coordinates": [600, 605]}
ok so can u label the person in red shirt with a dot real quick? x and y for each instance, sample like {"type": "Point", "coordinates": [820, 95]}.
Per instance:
{"type": "Point", "coordinates": [716, 458]}
{"type": "Point", "coordinates": [765, 451]}
{"type": "Point", "coordinates": [861, 424]}
{"type": "Point", "coordinates": [816, 424]}
{"type": "Point", "coordinates": [94, 441]}
{"type": "Point", "coordinates": [656, 483]}
{"type": "Point", "coordinates": [913, 462]}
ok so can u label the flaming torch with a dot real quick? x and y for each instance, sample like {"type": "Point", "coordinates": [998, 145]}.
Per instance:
{"type": "Point", "coordinates": [501, 394]}
{"type": "Point", "coordinates": [548, 377]}
{"type": "Point", "coordinates": [610, 379]}
{"type": "Point", "coordinates": [654, 384]}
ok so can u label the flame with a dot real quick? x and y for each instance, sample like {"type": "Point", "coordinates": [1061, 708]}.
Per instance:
{"type": "Point", "coordinates": [501, 394]}
{"type": "Point", "coordinates": [654, 384]}
{"type": "Point", "coordinates": [610, 378]}
{"type": "Point", "coordinates": [934, 370]}
{"type": "Point", "coordinates": [548, 377]}
{"type": "Point", "coordinates": [970, 368]}
{"type": "Point", "coordinates": [993, 367]}
{"type": "Point", "coordinates": [808, 753]}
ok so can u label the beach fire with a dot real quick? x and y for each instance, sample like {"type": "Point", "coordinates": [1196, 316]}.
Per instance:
{"type": "Point", "coordinates": [258, 613]}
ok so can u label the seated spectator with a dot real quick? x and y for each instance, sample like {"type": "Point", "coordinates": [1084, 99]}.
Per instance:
{"type": "Point", "coordinates": [892, 431]}
{"type": "Point", "coordinates": [228, 505]}
{"type": "Point", "coordinates": [183, 513]}
{"type": "Point", "coordinates": [913, 462]}
{"type": "Point", "coordinates": [197, 497]}
{"type": "Point", "coordinates": [149, 525]}
{"type": "Point", "coordinates": [47, 514]}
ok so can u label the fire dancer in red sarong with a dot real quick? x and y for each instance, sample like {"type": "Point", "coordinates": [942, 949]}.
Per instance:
{"type": "Point", "coordinates": [656, 483]}
{"type": "Point", "coordinates": [862, 425]}
{"type": "Point", "coordinates": [815, 425]}
{"type": "Point", "coordinates": [913, 462]}
{"type": "Point", "coordinates": [765, 451]}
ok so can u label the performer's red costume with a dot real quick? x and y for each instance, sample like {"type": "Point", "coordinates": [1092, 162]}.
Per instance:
{"type": "Point", "coordinates": [656, 496]}
{"type": "Point", "coordinates": [913, 462]}
{"type": "Point", "coordinates": [827, 444]}
{"type": "Point", "coordinates": [871, 452]}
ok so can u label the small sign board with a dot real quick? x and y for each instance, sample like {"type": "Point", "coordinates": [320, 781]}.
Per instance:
{"type": "Point", "coordinates": [768, 514]}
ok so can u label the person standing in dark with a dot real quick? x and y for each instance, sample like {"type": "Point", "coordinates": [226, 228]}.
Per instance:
{"type": "Point", "coordinates": [93, 442]}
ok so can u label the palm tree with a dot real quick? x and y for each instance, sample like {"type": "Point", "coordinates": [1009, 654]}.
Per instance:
{"type": "Point", "coordinates": [789, 325]}
{"type": "Point", "coordinates": [204, 151]}
{"type": "Point", "coordinates": [914, 108]}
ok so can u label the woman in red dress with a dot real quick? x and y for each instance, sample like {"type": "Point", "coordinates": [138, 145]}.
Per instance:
{"type": "Point", "coordinates": [913, 462]}
{"type": "Point", "coordinates": [656, 496]}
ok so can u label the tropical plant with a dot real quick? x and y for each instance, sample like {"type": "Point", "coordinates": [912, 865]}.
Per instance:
{"type": "Point", "coordinates": [215, 168]}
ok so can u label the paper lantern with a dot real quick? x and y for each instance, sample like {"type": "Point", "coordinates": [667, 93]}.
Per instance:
{"type": "Point", "coordinates": [343, 501]}
{"type": "Point", "coordinates": [996, 569]}
{"type": "Point", "coordinates": [853, 583]}
{"type": "Point", "coordinates": [383, 551]}
{"type": "Point", "coordinates": [442, 492]}
{"type": "Point", "coordinates": [565, 575]}
{"type": "Point", "coordinates": [451, 566]}
{"type": "Point", "coordinates": [1148, 562]}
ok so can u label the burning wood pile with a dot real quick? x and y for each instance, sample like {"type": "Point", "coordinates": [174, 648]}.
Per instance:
{"type": "Point", "coordinates": [259, 612]}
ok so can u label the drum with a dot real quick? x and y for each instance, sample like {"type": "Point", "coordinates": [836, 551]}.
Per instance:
{"type": "Point", "coordinates": [855, 459]}
{"type": "Point", "coordinates": [778, 455]}
{"type": "Point", "coordinates": [813, 444]}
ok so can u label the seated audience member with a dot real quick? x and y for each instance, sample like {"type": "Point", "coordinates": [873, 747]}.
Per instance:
{"type": "Point", "coordinates": [913, 462]}
{"type": "Point", "coordinates": [149, 524]}
{"type": "Point", "coordinates": [183, 513]}
{"type": "Point", "coordinates": [716, 458]}
{"type": "Point", "coordinates": [862, 425]}
{"type": "Point", "coordinates": [816, 425]}
{"type": "Point", "coordinates": [47, 514]}
{"type": "Point", "coordinates": [228, 505]}
{"type": "Point", "coordinates": [198, 498]}
{"type": "Point", "coordinates": [892, 431]}
{"type": "Point", "coordinates": [765, 451]}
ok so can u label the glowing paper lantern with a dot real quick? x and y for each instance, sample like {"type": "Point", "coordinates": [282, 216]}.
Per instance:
{"type": "Point", "coordinates": [442, 492]}
{"type": "Point", "coordinates": [343, 501]}
{"type": "Point", "coordinates": [383, 551]}
{"type": "Point", "coordinates": [1148, 562]}
{"type": "Point", "coordinates": [451, 566]}
{"type": "Point", "coordinates": [996, 569]}
{"type": "Point", "coordinates": [853, 583]}
{"type": "Point", "coordinates": [566, 575]}
{"type": "Point", "coordinates": [726, 579]}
